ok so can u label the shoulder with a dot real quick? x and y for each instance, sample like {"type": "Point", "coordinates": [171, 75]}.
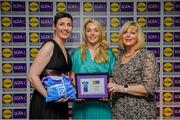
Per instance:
{"type": "Point", "coordinates": [48, 45]}
{"type": "Point", "coordinates": [146, 53]}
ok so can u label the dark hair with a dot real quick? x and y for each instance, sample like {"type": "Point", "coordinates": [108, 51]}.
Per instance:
{"type": "Point", "coordinates": [60, 15]}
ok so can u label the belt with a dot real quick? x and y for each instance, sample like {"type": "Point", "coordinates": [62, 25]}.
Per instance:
{"type": "Point", "coordinates": [48, 72]}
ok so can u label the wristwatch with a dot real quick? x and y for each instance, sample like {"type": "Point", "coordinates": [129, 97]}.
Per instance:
{"type": "Point", "coordinates": [125, 88]}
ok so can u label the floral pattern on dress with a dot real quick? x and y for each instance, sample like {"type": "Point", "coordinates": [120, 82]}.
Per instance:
{"type": "Point", "coordinates": [140, 69]}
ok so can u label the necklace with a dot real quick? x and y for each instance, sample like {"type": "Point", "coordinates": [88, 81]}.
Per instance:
{"type": "Point", "coordinates": [130, 54]}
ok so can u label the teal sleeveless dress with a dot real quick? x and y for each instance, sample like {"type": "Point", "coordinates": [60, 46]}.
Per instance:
{"type": "Point", "coordinates": [94, 109]}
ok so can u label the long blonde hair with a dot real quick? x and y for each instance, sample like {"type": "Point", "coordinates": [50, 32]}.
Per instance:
{"type": "Point", "coordinates": [140, 37]}
{"type": "Point", "coordinates": [101, 55]}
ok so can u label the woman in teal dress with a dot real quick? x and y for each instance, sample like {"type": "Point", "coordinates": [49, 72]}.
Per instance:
{"type": "Point", "coordinates": [93, 56]}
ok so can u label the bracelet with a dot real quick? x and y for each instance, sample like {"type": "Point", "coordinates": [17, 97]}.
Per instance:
{"type": "Point", "coordinates": [125, 88]}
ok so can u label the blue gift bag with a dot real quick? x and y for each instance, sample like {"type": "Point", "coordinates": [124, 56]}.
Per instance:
{"type": "Point", "coordinates": [59, 87]}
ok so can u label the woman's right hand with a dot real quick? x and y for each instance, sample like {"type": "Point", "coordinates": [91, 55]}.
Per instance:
{"type": "Point", "coordinates": [63, 100]}
{"type": "Point", "coordinates": [80, 100]}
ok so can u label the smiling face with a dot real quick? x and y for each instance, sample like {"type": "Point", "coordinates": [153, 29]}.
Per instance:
{"type": "Point", "coordinates": [92, 34]}
{"type": "Point", "coordinates": [129, 37]}
{"type": "Point", "coordinates": [63, 28]}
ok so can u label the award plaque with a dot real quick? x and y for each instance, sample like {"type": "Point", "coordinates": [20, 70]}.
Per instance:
{"type": "Point", "coordinates": [92, 85]}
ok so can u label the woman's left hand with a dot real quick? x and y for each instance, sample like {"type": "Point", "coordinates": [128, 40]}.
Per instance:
{"type": "Point", "coordinates": [113, 87]}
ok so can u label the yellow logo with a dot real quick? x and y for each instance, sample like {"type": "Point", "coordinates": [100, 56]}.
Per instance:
{"type": "Point", "coordinates": [167, 82]}
{"type": "Point", "coordinates": [167, 112]}
{"type": "Point", "coordinates": [115, 37]}
{"type": "Point", "coordinates": [88, 7]}
{"type": "Point", "coordinates": [115, 7]}
{"type": "Point", "coordinates": [33, 52]}
{"type": "Point", "coordinates": [168, 67]}
{"type": "Point", "coordinates": [7, 113]}
{"type": "Point", "coordinates": [168, 52]}
{"type": "Point", "coordinates": [168, 36]}
{"type": "Point", "coordinates": [6, 37]}
{"type": "Point", "coordinates": [6, 21]}
{"type": "Point", "coordinates": [34, 37]}
{"type": "Point", "coordinates": [115, 51]}
{"type": "Point", "coordinates": [5, 6]}
{"type": "Point", "coordinates": [7, 68]}
{"type": "Point", "coordinates": [7, 98]}
{"type": "Point", "coordinates": [115, 22]}
{"type": "Point", "coordinates": [7, 83]}
{"type": "Point", "coordinates": [34, 22]}
{"type": "Point", "coordinates": [61, 6]}
{"type": "Point", "coordinates": [7, 52]}
{"type": "Point", "coordinates": [142, 21]}
{"type": "Point", "coordinates": [168, 6]}
{"type": "Point", "coordinates": [168, 21]}
{"type": "Point", "coordinates": [33, 6]}
{"type": "Point", "coordinates": [167, 96]}
{"type": "Point", "coordinates": [141, 6]}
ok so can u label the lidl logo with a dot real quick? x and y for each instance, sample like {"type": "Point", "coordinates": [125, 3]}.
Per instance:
{"type": "Point", "coordinates": [115, 22]}
{"type": "Point", "coordinates": [7, 52]}
{"type": "Point", "coordinates": [61, 6]}
{"type": "Point", "coordinates": [115, 7]}
{"type": "Point", "coordinates": [167, 112]}
{"type": "Point", "coordinates": [115, 51]}
{"type": "Point", "coordinates": [115, 37]}
{"type": "Point", "coordinates": [88, 7]}
{"type": "Point", "coordinates": [33, 6]}
{"type": "Point", "coordinates": [167, 82]}
{"type": "Point", "coordinates": [142, 21]}
{"type": "Point", "coordinates": [34, 52]}
{"type": "Point", "coordinates": [7, 83]}
{"type": "Point", "coordinates": [5, 6]}
{"type": "Point", "coordinates": [168, 6]}
{"type": "Point", "coordinates": [141, 6]}
{"type": "Point", "coordinates": [34, 37]}
{"type": "Point", "coordinates": [7, 113]}
{"type": "Point", "coordinates": [168, 67]}
{"type": "Point", "coordinates": [168, 52]}
{"type": "Point", "coordinates": [167, 97]}
{"type": "Point", "coordinates": [168, 36]}
{"type": "Point", "coordinates": [34, 22]}
{"type": "Point", "coordinates": [7, 98]}
{"type": "Point", "coordinates": [7, 68]}
{"type": "Point", "coordinates": [6, 37]}
{"type": "Point", "coordinates": [6, 22]}
{"type": "Point", "coordinates": [168, 21]}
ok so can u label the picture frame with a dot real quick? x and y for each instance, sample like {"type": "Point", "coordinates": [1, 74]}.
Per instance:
{"type": "Point", "coordinates": [90, 86]}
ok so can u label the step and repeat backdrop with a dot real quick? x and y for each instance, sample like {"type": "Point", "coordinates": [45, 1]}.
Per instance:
{"type": "Point", "coordinates": [26, 24]}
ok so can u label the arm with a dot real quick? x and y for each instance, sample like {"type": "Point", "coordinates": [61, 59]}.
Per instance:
{"type": "Point", "coordinates": [40, 62]}
{"type": "Point", "coordinates": [150, 78]}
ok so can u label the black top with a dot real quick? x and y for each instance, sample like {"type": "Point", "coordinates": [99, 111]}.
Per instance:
{"type": "Point", "coordinates": [58, 60]}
